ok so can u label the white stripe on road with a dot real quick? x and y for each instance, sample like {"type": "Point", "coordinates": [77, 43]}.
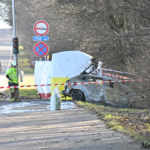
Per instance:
{"type": "Point", "coordinates": [5, 47]}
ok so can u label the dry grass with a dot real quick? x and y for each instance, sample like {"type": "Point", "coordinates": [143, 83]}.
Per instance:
{"type": "Point", "coordinates": [24, 62]}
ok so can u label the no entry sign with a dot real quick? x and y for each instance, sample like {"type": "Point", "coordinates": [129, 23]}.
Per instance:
{"type": "Point", "coordinates": [41, 28]}
{"type": "Point", "coordinates": [40, 49]}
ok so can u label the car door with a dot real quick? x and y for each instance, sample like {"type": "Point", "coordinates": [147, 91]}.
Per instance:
{"type": "Point", "coordinates": [95, 90]}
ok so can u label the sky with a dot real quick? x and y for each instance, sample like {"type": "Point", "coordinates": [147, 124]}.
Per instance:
{"type": "Point", "coordinates": [4, 25]}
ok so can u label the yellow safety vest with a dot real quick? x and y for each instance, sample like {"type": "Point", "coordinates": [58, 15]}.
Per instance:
{"type": "Point", "coordinates": [12, 73]}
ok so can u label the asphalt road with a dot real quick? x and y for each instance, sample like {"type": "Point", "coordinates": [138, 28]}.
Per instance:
{"type": "Point", "coordinates": [5, 54]}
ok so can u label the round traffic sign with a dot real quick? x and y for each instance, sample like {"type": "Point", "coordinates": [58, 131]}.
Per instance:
{"type": "Point", "coordinates": [41, 28]}
{"type": "Point", "coordinates": [40, 49]}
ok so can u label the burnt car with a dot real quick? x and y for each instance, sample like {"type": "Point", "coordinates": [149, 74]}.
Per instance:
{"type": "Point", "coordinates": [114, 93]}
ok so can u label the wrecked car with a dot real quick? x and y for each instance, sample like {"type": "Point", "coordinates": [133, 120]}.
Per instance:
{"type": "Point", "coordinates": [113, 93]}
{"type": "Point", "coordinates": [74, 67]}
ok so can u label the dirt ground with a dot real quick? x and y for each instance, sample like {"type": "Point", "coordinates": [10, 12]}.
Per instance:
{"type": "Point", "coordinates": [35, 127]}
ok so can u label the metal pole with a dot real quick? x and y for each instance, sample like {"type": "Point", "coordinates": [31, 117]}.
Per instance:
{"type": "Point", "coordinates": [14, 25]}
{"type": "Point", "coordinates": [14, 33]}
{"type": "Point", "coordinates": [13, 15]}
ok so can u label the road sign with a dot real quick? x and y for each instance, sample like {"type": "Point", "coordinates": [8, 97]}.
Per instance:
{"type": "Point", "coordinates": [41, 28]}
{"type": "Point", "coordinates": [40, 49]}
{"type": "Point", "coordinates": [40, 38]}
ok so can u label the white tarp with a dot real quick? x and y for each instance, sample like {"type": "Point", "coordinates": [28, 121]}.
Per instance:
{"type": "Point", "coordinates": [42, 74]}
{"type": "Point", "coordinates": [69, 63]}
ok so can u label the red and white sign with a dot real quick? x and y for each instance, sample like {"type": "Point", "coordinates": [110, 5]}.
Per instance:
{"type": "Point", "coordinates": [40, 49]}
{"type": "Point", "coordinates": [41, 28]}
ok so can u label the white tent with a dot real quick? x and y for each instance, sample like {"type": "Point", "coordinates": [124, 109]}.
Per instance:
{"type": "Point", "coordinates": [68, 64]}
{"type": "Point", "coordinates": [42, 75]}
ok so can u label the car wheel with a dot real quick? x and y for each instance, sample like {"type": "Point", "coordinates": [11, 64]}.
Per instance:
{"type": "Point", "coordinates": [77, 95]}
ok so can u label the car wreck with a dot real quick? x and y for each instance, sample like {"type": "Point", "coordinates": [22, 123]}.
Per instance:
{"type": "Point", "coordinates": [114, 92]}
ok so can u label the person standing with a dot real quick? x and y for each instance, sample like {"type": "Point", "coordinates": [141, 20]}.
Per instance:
{"type": "Point", "coordinates": [11, 74]}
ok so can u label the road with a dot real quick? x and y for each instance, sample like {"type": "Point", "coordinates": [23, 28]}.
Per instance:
{"type": "Point", "coordinates": [5, 54]}
{"type": "Point", "coordinates": [30, 125]}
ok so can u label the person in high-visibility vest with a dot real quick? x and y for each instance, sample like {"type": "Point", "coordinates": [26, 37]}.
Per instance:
{"type": "Point", "coordinates": [11, 74]}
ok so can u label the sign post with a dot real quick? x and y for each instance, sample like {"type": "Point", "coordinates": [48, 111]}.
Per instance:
{"type": "Point", "coordinates": [41, 28]}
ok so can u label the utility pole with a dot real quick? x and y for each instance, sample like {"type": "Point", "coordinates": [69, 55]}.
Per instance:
{"type": "Point", "coordinates": [15, 36]}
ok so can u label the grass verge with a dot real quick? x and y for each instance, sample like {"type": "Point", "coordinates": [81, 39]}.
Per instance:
{"type": "Point", "coordinates": [133, 122]}
{"type": "Point", "coordinates": [25, 66]}
{"type": "Point", "coordinates": [29, 92]}
{"type": "Point", "coordinates": [24, 62]}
